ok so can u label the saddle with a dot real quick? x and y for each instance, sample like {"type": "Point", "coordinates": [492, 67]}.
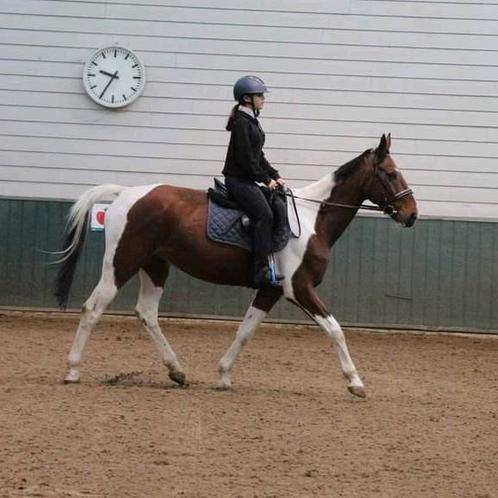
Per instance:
{"type": "Point", "coordinates": [229, 224]}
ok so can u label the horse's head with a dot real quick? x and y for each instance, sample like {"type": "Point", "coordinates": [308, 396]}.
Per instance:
{"type": "Point", "coordinates": [388, 189]}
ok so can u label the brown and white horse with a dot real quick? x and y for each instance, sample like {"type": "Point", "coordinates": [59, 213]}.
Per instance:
{"type": "Point", "coordinates": [149, 228]}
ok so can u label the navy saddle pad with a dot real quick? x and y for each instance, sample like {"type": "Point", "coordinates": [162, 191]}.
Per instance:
{"type": "Point", "coordinates": [228, 224]}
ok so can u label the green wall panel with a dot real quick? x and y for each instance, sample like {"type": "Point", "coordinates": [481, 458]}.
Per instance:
{"type": "Point", "coordinates": [438, 274]}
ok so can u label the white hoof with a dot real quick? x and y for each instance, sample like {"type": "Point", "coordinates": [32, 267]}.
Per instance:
{"type": "Point", "coordinates": [358, 391]}
{"type": "Point", "coordinates": [224, 384]}
{"type": "Point", "coordinates": [73, 377]}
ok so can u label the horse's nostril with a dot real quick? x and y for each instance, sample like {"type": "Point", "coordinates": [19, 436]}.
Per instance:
{"type": "Point", "coordinates": [412, 219]}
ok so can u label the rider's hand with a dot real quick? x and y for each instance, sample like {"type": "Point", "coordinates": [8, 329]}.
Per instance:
{"type": "Point", "coordinates": [273, 184]}
{"type": "Point", "coordinates": [280, 181]}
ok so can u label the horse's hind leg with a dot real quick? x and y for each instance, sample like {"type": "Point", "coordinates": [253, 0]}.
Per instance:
{"type": "Point", "coordinates": [152, 279]}
{"type": "Point", "coordinates": [101, 297]}
{"type": "Point", "coordinates": [261, 305]}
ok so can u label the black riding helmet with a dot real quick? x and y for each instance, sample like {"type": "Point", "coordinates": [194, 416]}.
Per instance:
{"type": "Point", "coordinates": [248, 85]}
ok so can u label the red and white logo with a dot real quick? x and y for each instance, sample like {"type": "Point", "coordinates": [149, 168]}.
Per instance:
{"type": "Point", "coordinates": [98, 217]}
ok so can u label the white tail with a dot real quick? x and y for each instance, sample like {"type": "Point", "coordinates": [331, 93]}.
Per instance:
{"type": "Point", "coordinates": [78, 215]}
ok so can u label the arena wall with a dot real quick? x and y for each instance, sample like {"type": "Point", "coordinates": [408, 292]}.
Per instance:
{"type": "Point", "coordinates": [341, 74]}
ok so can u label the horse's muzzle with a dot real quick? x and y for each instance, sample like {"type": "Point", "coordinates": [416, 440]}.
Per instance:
{"type": "Point", "coordinates": [405, 221]}
{"type": "Point", "coordinates": [411, 220]}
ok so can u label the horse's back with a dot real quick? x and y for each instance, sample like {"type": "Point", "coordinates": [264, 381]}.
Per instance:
{"type": "Point", "coordinates": [148, 207]}
{"type": "Point", "coordinates": [155, 198]}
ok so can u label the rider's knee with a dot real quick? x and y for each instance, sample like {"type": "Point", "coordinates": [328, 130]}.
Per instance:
{"type": "Point", "coordinates": [267, 216]}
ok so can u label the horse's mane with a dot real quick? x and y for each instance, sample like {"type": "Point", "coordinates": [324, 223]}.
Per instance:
{"type": "Point", "coordinates": [346, 170]}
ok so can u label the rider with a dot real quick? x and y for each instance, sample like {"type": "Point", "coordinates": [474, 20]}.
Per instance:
{"type": "Point", "coordinates": [245, 164]}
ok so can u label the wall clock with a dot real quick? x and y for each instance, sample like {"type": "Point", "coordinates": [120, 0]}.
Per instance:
{"type": "Point", "coordinates": [114, 76]}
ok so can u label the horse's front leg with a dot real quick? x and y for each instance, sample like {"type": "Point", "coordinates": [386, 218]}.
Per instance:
{"type": "Point", "coordinates": [259, 308]}
{"type": "Point", "coordinates": [308, 300]}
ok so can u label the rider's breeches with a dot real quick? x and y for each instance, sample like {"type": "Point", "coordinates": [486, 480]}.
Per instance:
{"type": "Point", "coordinates": [254, 203]}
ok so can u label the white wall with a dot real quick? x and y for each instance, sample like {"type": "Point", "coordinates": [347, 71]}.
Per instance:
{"type": "Point", "coordinates": [341, 72]}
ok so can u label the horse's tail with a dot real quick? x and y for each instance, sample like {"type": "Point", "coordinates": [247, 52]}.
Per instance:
{"type": "Point", "coordinates": [74, 237]}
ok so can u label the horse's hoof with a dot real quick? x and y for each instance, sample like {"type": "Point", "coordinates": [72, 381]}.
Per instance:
{"type": "Point", "coordinates": [179, 378]}
{"type": "Point", "coordinates": [70, 381]}
{"type": "Point", "coordinates": [72, 378]}
{"type": "Point", "coordinates": [357, 391]}
{"type": "Point", "coordinates": [222, 386]}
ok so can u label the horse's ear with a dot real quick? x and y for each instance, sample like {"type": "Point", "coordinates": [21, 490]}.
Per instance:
{"type": "Point", "coordinates": [383, 148]}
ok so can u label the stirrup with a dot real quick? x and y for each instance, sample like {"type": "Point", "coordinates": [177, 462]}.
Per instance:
{"type": "Point", "coordinates": [267, 276]}
{"type": "Point", "coordinates": [263, 278]}
{"type": "Point", "coordinates": [275, 277]}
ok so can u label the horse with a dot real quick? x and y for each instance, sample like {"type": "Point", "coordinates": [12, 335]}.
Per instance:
{"type": "Point", "coordinates": [149, 228]}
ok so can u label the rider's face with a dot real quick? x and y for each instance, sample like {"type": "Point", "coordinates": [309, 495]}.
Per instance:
{"type": "Point", "coordinates": [258, 99]}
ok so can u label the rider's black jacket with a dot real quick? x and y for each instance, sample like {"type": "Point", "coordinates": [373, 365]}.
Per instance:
{"type": "Point", "coordinates": [245, 158]}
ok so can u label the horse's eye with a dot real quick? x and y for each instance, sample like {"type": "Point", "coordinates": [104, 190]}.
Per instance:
{"type": "Point", "coordinates": [392, 175]}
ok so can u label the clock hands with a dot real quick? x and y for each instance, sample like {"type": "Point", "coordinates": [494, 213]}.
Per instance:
{"type": "Point", "coordinates": [115, 75]}
{"type": "Point", "coordinates": [112, 77]}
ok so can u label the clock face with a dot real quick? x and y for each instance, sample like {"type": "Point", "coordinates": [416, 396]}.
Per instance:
{"type": "Point", "coordinates": [114, 76]}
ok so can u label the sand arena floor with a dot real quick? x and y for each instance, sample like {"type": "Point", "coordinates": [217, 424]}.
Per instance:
{"type": "Point", "coordinates": [289, 428]}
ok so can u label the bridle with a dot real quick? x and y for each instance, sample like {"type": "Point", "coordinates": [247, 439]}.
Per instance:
{"type": "Point", "coordinates": [391, 195]}
{"type": "Point", "coordinates": [387, 207]}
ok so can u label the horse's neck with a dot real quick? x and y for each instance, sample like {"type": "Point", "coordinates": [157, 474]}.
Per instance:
{"type": "Point", "coordinates": [331, 221]}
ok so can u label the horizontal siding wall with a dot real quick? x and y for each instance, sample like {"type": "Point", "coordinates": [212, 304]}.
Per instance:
{"type": "Point", "coordinates": [442, 273]}
{"type": "Point", "coordinates": [341, 74]}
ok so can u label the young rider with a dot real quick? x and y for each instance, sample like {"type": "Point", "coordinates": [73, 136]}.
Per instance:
{"type": "Point", "coordinates": [245, 164]}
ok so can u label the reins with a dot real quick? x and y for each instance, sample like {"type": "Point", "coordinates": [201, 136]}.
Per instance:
{"type": "Point", "coordinates": [290, 193]}
{"type": "Point", "coordinates": [388, 209]}
{"type": "Point", "coordinates": [369, 207]}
